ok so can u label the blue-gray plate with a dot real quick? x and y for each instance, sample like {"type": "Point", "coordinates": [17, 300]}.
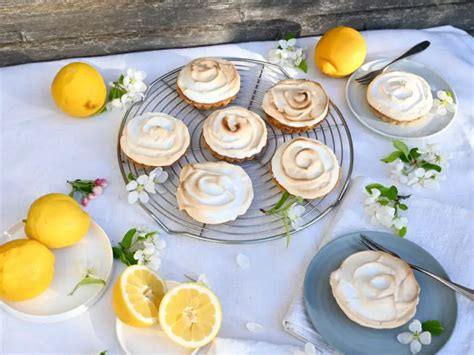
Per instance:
{"type": "Point", "coordinates": [436, 301]}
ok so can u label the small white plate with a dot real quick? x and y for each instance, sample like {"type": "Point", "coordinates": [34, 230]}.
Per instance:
{"type": "Point", "coordinates": [427, 127]}
{"type": "Point", "coordinates": [151, 340]}
{"type": "Point", "coordinates": [54, 305]}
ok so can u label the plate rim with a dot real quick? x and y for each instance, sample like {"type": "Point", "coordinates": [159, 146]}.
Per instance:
{"type": "Point", "coordinates": [347, 235]}
{"type": "Point", "coordinates": [393, 136]}
{"type": "Point", "coordinates": [72, 313]}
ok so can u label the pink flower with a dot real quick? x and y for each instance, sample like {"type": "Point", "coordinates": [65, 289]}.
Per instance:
{"type": "Point", "coordinates": [97, 190]}
{"type": "Point", "coordinates": [84, 201]}
{"type": "Point", "coordinates": [101, 182]}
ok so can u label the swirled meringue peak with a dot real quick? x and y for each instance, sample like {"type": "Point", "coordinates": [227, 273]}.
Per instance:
{"type": "Point", "coordinates": [375, 289]}
{"type": "Point", "coordinates": [155, 139]}
{"type": "Point", "coordinates": [235, 132]}
{"type": "Point", "coordinates": [214, 192]}
{"type": "Point", "coordinates": [305, 167]}
{"type": "Point", "coordinates": [296, 102]}
{"type": "Point", "coordinates": [209, 80]}
{"type": "Point", "coordinates": [400, 96]}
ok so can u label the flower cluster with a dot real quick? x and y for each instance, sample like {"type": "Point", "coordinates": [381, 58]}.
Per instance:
{"type": "Point", "coordinates": [444, 103]}
{"type": "Point", "coordinates": [142, 247]}
{"type": "Point", "coordinates": [139, 188]}
{"type": "Point", "coordinates": [420, 334]}
{"type": "Point", "coordinates": [289, 54]}
{"type": "Point", "coordinates": [417, 167]}
{"type": "Point", "coordinates": [86, 190]}
{"type": "Point", "coordinates": [384, 204]}
{"type": "Point", "coordinates": [127, 90]}
{"type": "Point", "coordinates": [290, 210]}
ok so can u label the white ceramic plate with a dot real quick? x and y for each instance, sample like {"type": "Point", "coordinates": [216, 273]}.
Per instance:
{"type": "Point", "coordinates": [427, 127]}
{"type": "Point", "coordinates": [151, 340]}
{"type": "Point", "coordinates": [54, 305]}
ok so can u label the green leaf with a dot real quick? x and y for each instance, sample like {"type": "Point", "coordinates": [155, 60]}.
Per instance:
{"type": "Point", "coordinates": [401, 147]}
{"type": "Point", "coordinates": [403, 207]}
{"type": "Point", "coordinates": [383, 201]}
{"type": "Point", "coordinates": [391, 193]}
{"type": "Point", "coordinates": [289, 36]}
{"type": "Point", "coordinates": [128, 238]}
{"type": "Point", "coordinates": [433, 326]}
{"type": "Point", "coordinates": [392, 157]}
{"type": "Point", "coordinates": [450, 94]}
{"type": "Point", "coordinates": [284, 196]}
{"type": "Point", "coordinates": [402, 232]}
{"type": "Point", "coordinates": [103, 352]}
{"type": "Point", "coordinates": [117, 251]}
{"type": "Point", "coordinates": [303, 65]}
{"type": "Point", "coordinates": [149, 234]}
{"type": "Point", "coordinates": [404, 159]}
{"type": "Point", "coordinates": [123, 258]}
{"type": "Point", "coordinates": [377, 186]}
{"type": "Point", "coordinates": [414, 154]}
{"type": "Point", "coordinates": [87, 280]}
{"type": "Point", "coordinates": [130, 259]}
{"type": "Point", "coordinates": [429, 166]}
{"type": "Point", "coordinates": [131, 177]}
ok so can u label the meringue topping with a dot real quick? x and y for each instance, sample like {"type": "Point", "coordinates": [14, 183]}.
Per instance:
{"type": "Point", "coordinates": [235, 132]}
{"type": "Point", "coordinates": [375, 289]}
{"type": "Point", "coordinates": [209, 80]}
{"type": "Point", "coordinates": [305, 167]}
{"type": "Point", "coordinates": [400, 96]}
{"type": "Point", "coordinates": [296, 102]}
{"type": "Point", "coordinates": [214, 192]}
{"type": "Point", "coordinates": [155, 139]}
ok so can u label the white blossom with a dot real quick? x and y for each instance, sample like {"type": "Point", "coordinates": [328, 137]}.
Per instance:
{"type": "Point", "coordinates": [443, 104]}
{"type": "Point", "coordinates": [415, 337]}
{"type": "Point", "coordinates": [287, 53]}
{"type": "Point", "coordinates": [243, 261]}
{"type": "Point", "coordinates": [147, 248]}
{"type": "Point", "coordinates": [294, 215]}
{"type": "Point", "coordinates": [202, 279]}
{"type": "Point", "coordinates": [140, 188]}
{"type": "Point", "coordinates": [159, 176]}
{"type": "Point", "coordinates": [133, 81]}
{"type": "Point", "coordinates": [131, 88]}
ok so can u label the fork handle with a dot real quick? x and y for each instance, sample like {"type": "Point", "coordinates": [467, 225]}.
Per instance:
{"type": "Point", "coordinates": [420, 47]}
{"type": "Point", "coordinates": [467, 292]}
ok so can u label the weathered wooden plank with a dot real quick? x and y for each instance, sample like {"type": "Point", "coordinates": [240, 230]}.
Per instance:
{"type": "Point", "coordinates": [58, 29]}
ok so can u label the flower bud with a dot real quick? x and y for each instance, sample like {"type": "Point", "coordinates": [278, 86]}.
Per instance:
{"type": "Point", "coordinates": [101, 182]}
{"type": "Point", "coordinates": [92, 196]}
{"type": "Point", "coordinates": [97, 190]}
{"type": "Point", "coordinates": [84, 201]}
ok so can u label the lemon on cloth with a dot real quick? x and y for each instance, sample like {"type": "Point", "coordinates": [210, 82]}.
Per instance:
{"type": "Point", "coordinates": [340, 51]}
{"type": "Point", "coordinates": [191, 315]}
{"type": "Point", "coordinates": [79, 90]}
{"type": "Point", "coordinates": [26, 269]}
{"type": "Point", "coordinates": [137, 295]}
{"type": "Point", "coordinates": [57, 221]}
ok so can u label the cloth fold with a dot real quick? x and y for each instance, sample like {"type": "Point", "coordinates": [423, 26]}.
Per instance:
{"type": "Point", "coordinates": [444, 231]}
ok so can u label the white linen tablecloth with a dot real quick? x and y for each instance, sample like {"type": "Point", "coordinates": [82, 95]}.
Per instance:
{"type": "Point", "coordinates": [41, 148]}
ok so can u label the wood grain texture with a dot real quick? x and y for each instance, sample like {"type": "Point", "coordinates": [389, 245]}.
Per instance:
{"type": "Point", "coordinates": [37, 30]}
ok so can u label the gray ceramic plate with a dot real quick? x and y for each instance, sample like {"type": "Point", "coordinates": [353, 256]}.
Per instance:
{"type": "Point", "coordinates": [356, 96]}
{"type": "Point", "coordinates": [436, 301]}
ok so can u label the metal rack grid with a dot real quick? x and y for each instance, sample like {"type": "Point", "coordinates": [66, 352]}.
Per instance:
{"type": "Point", "coordinates": [256, 78]}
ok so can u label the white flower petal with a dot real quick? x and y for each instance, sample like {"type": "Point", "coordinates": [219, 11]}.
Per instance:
{"type": "Point", "coordinates": [309, 349]}
{"type": "Point", "coordinates": [142, 179]}
{"type": "Point", "coordinates": [149, 186]}
{"type": "Point", "coordinates": [160, 243]}
{"type": "Point", "coordinates": [415, 326]}
{"type": "Point", "coordinates": [161, 178]}
{"type": "Point", "coordinates": [448, 100]}
{"type": "Point", "coordinates": [451, 107]}
{"type": "Point", "coordinates": [132, 197]}
{"type": "Point", "coordinates": [419, 172]}
{"type": "Point", "coordinates": [132, 185]}
{"type": "Point", "coordinates": [442, 95]}
{"type": "Point", "coordinates": [254, 327]}
{"type": "Point", "coordinates": [143, 197]}
{"type": "Point", "coordinates": [243, 261]}
{"type": "Point", "coordinates": [138, 255]}
{"type": "Point", "coordinates": [441, 110]}
{"type": "Point", "coordinates": [283, 44]}
{"type": "Point", "coordinates": [149, 250]}
{"type": "Point", "coordinates": [291, 42]}
{"type": "Point", "coordinates": [155, 172]}
{"type": "Point", "coordinates": [405, 337]}
{"type": "Point", "coordinates": [415, 347]}
{"type": "Point", "coordinates": [202, 278]}
{"type": "Point", "coordinates": [425, 338]}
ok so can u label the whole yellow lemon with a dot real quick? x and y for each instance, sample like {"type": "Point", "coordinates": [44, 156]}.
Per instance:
{"type": "Point", "coordinates": [340, 51]}
{"type": "Point", "coordinates": [79, 90]}
{"type": "Point", "coordinates": [57, 221]}
{"type": "Point", "coordinates": [26, 269]}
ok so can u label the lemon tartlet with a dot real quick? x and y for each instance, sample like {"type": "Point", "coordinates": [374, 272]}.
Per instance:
{"type": "Point", "coordinates": [234, 134]}
{"type": "Point", "coordinates": [296, 105]}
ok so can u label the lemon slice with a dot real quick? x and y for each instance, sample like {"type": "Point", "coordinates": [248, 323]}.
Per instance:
{"type": "Point", "coordinates": [137, 295]}
{"type": "Point", "coordinates": [191, 315]}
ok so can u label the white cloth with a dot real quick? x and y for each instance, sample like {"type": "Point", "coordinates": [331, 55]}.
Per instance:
{"type": "Point", "coordinates": [225, 346]}
{"type": "Point", "coordinates": [41, 148]}
{"type": "Point", "coordinates": [444, 231]}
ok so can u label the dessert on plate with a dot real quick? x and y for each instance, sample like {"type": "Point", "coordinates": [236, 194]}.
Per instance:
{"type": "Point", "coordinates": [155, 139]}
{"type": "Point", "coordinates": [399, 98]}
{"type": "Point", "coordinates": [375, 289]}
{"type": "Point", "coordinates": [214, 192]}
{"type": "Point", "coordinates": [234, 134]}
{"type": "Point", "coordinates": [296, 105]}
{"type": "Point", "coordinates": [305, 167]}
{"type": "Point", "coordinates": [208, 83]}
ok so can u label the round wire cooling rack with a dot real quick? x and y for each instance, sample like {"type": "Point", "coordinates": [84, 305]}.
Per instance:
{"type": "Point", "coordinates": [254, 226]}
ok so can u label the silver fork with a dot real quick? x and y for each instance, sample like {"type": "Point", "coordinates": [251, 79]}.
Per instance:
{"type": "Point", "coordinates": [367, 78]}
{"type": "Point", "coordinates": [467, 292]}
